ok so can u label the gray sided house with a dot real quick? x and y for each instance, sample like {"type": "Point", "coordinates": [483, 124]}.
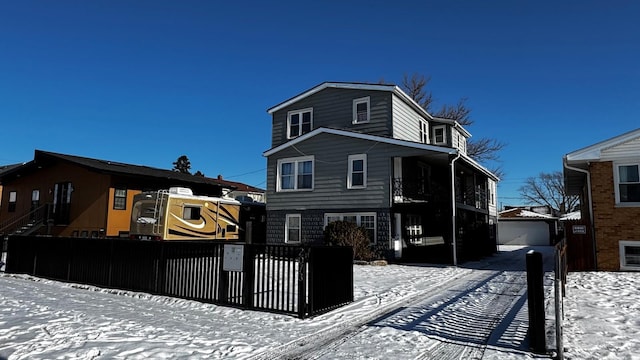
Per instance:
{"type": "Point", "coordinates": [369, 154]}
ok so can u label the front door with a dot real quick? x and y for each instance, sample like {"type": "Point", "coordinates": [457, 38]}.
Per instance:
{"type": "Point", "coordinates": [62, 203]}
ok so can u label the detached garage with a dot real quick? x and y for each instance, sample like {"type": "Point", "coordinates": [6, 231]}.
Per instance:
{"type": "Point", "coordinates": [523, 227]}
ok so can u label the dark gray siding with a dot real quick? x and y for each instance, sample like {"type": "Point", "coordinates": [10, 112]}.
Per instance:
{"type": "Point", "coordinates": [334, 108]}
{"type": "Point", "coordinates": [330, 174]}
{"type": "Point", "coordinates": [313, 226]}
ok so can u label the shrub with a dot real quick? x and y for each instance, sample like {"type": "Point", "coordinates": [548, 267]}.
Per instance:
{"type": "Point", "coordinates": [344, 233]}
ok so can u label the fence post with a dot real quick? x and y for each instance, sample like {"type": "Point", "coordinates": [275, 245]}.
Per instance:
{"type": "Point", "coordinates": [249, 275]}
{"type": "Point", "coordinates": [303, 306]}
{"type": "Point", "coordinates": [535, 296]}
{"type": "Point", "coordinates": [559, 304]}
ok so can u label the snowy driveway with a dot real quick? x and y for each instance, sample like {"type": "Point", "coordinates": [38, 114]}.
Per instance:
{"type": "Point", "coordinates": [401, 312]}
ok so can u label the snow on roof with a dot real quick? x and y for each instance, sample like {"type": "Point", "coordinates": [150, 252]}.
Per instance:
{"type": "Point", "coordinates": [575, 215]}
{"type": "Point", "coordinates": [522, 213]}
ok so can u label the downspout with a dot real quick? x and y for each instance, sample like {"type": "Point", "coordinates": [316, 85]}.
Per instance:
{"type": "Point", "coordinates": [591, 224]}
{"type": "Point", "coordinates": [453, 210]}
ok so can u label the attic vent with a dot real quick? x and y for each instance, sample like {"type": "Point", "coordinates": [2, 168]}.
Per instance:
{"type": "Point", "coordinates": [180, 191]}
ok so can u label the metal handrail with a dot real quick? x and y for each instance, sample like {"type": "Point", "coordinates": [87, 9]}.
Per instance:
{"type": "Point", "coordinates": [21, 220]}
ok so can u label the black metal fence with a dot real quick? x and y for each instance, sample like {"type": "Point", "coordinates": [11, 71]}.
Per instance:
{"type": "Point", "coordinates": [298, 280]}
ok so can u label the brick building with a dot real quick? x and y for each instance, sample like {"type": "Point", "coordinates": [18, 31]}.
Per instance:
{"type": "Point", "coordinates": [606, 176]}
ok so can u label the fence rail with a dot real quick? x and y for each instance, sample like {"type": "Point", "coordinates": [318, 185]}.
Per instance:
{"type": "Point", "coordinates": [298, 280]}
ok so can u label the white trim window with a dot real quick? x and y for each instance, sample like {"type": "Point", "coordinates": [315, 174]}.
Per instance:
{"type": "Point", "coordinates": [630, 255]}
{"type": "Point", "coordinates": [295, 174]}
{"type": "Point", "coordinates": [357, 178]}
{"type": "Point", "coordinates": [424, 132]}
{"type": "Point", "coordinates": [414, 228]}
{"type": "Point", "coordinates": [366, 220]}
{"type": "Point", "coordinates": [440, 135]}
{"type": "Point", "coordinates": [293, 229]}
{"type": "Point", "coordinates": [13, 199]}
{"type": "Point", "coordinates": [627, 177]}
{"type": "Point", "coordinates": [299, 122]}
{"type": "Point", "coordinates": [361, 110]}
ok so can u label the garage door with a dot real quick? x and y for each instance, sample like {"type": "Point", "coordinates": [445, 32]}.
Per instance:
{"type": "Point", "coordinates": [533, 233]}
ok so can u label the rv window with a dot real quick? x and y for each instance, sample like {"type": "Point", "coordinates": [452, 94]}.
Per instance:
{"type": "Point", "coordinates": [231, 228]}
{"type": "Point", "coordinates": [191, 213]}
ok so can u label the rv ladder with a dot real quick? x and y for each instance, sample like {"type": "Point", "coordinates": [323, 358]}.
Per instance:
{"type": "Point", "coordinates": [157, 210]}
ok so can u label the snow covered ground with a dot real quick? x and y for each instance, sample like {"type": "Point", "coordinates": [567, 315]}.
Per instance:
{"type": "Point", "coordinates": [476, 311]}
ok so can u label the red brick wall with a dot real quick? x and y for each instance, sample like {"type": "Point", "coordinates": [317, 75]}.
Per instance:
{"type": "Point", "coordinates": [611, 223]}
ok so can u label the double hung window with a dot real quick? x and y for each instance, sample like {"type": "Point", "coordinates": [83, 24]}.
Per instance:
{"type": "Point", "coordinates": [357, 171]}
{"type": "Point", "coordinates": [299, 122]}
{"type": "Point", "coordinates": [120, 199]}
{"type": "Point", "coordinates": [439, 135]}
{"type": "Point", "coordinates": [295, 174]}
{"type": "Point", "coordinates": [293, 227]}
{"type": "Point", "coordinates": [361, 110]}
{"type": "Point", "coordinates": [366, 220]}
{"type": "Point", "coordinates": [628, 183]}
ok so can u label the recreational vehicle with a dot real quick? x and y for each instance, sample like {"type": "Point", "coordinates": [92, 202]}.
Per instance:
{"type": "Point", "coordinates": [177, 214]}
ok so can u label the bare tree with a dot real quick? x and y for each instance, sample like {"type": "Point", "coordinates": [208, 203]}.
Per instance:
{"type": "Point", "coordinates": [182, 165]}
{"type": "Point", "coordinates": [548, 189]}
{"type": "Point", "coordinates": [416, 89]}
{"type": "Point", "coordinates": [482, 149]}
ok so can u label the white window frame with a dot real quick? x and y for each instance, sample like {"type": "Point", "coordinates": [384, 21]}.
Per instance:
{"type": "Point", "coordinates": [623, 258]}
{"type": "Point", "coordinates": [356, 102]}
{"type": "Point", "coordinates": [299, 112]}
{"type": "Point", "coordinates": [414, 228]}
{"type": "Point", "coordinates": [358, 216]}
{"type": "Point", "coordinates": [616, 176]}
{"type": "Point", "coordinates": [444, 135]}
{"type": "Point", "coordinates": [353, 158]}
{"type": "Point", "coordinates": [295, 162]}
{"type": "Point", "coordinates": [286, 228]}
{"type": "Point", "coordinates": [424, 132]}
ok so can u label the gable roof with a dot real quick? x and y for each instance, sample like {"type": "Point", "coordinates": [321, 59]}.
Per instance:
{"type": "Point", "coordinates": [362, 136]}
{"type": "Point", "coordinates": [7, 168]}
{"type": "Point", "coordinates": [594, 152]}
{"type": "Point", "coordinates": [357, 86]}
{"type": "Point", "coordinates": [108, 167]}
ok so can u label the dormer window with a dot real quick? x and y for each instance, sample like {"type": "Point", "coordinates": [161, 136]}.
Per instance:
{"type": "Point", "coordinates": [361, 110]}
{"type": "Point", "coordinates": [299, 122]}
{"type": "Point", "coordinates": [440, 135]}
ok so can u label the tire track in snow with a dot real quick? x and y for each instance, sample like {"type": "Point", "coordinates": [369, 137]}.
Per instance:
{"type": "Point", "coordinates": [461, 324]}
{"type": "Point", "coordinates": [323, 342]}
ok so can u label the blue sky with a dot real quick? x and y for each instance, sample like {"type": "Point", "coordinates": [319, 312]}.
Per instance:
{"type": "Point", "coordinates": [144, 82]}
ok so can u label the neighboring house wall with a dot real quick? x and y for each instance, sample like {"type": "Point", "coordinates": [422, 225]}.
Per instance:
{"type": "Point", "coordinates": [612, 223]}
{"type": "Point", "coordinates": [88, 201]}
{"type": "Point", "coordinates": [118, 219]}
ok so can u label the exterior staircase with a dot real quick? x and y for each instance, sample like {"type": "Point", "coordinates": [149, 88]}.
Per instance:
{"type": "Point", "coordinates": [27, 223]}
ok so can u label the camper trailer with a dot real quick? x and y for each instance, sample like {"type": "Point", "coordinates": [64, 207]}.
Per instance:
{"type": "Point", "coordinates": [177, 214]}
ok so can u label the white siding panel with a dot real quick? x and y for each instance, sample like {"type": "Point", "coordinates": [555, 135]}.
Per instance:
{"type": "Point", "coordinates": [406, 122]}
{"type": "Point", "coordinates": [627, 150]}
